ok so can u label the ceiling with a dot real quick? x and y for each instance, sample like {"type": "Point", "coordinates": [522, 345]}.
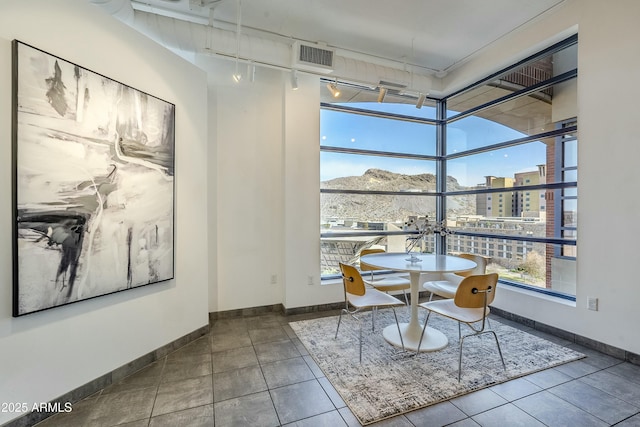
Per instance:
{"type": "Point", "coordinates": [430, 36]}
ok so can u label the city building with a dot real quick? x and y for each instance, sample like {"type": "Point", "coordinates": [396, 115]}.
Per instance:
{"type": "Point", "coordinates": [500, 204]}
{"type": "Point", "coordinates": [531, 203]}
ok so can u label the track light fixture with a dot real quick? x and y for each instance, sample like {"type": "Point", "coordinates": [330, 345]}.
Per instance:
{"type": "Point", "coordinates": [421, 99]}
{"type": "Point", "coordinates": [294, 79]}
{"type": "Point", "coordinates": [382, 94]}
{"type": "Point", "coordinates": [333, 88]}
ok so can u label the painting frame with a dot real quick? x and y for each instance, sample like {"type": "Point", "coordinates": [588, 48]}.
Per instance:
{"type": "Point", "coordinates": [93, 183]}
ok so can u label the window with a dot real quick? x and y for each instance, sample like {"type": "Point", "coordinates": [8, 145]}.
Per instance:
{"type": "Point", "coordinates": [378, 166]}
{"type": "Point", "coordinates": [512, 135]}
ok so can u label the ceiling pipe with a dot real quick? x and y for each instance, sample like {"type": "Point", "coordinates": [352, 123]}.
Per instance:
{"type": "Point", "coordinates": [121, 9]}
{"type": "Point", "coordinates": [208, 40]}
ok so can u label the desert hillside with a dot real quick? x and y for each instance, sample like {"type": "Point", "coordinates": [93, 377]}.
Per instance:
{"type": "Point", "coordinates": [393, 208]}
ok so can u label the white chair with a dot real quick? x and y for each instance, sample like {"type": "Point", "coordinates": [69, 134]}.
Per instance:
{"type": "Point", "coordinates": [384, 284]}
{"type": "Point", "coordinates": [447, 287]}
{"type": "Point", "coordinates": [358, 296]}
{"type": "Point", "coordinates": [470, 306]}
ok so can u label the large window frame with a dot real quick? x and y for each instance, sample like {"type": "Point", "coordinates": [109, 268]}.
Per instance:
{"type": "Point", "coordinates": [561, 189]}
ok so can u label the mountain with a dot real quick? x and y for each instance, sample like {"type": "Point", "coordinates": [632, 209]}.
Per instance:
{"type": "Point", "coordinates": [392, 208]}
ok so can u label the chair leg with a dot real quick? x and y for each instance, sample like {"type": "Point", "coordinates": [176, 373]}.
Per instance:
{"type": "Point", "coordinates": [499, 349]}
{"type": "Point", "coordinates": [339, 320]}
{"type": "Point", "coordinates": [424, 328]}
{"type": "Point", "coordinates": [460, 358]}
{"type": "Point", "coordinates": [373, 318]}
{"type": "Point", "coordinates": [360, 339]}
{"type": "Point", "coordinates": [406, 299]}
{"type": "Point", "coordinates": [475, 335]}
{"type": "Point", "coordinates": [459, 331]}
{"type": "Point", "coordinates": [398, 325]}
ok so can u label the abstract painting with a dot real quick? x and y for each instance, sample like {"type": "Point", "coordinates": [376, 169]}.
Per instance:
{"type": "Point", "coordinates": [93, 183]}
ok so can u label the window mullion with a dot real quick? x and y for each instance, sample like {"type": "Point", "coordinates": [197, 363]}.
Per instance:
{"type": "Point", "coordinates": [441, 172]}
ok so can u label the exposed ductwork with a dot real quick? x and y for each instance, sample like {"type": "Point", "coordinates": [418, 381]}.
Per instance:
{"type": "Point", "coordinates": [121, 9]}
{"type": "Point", "coordinates": [204, 39]}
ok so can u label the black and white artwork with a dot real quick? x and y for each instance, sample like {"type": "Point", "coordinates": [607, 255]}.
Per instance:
{"type": "Point", "coordinates": [93, 165]}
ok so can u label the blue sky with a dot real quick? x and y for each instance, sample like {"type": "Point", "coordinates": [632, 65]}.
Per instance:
{"type": "Point", "coordinates": [354, 131]}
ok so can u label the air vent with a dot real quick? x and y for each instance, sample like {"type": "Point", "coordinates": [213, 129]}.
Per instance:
{"type": "Point", "coordinates": [315, 56]}
{"type": "Point", "coordinates": [312, 57]}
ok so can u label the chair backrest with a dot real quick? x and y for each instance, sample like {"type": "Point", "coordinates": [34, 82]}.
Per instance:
{"type": "Point", "coordinates": [476, 291]}
{"type": "Point", "coordinates": [352, 280]}
{"type": "Point", "coordinates": [481, 264]}
{"type": "Point", "coordinates": [368, 267]}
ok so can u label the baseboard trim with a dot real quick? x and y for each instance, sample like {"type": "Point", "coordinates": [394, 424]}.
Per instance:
{"type": "Point", "coordinates": [107, 379]}
{"type": "Point", "coordinates": [607, 349]}
{"type": "Point", "coordinates": [279, 308]}
{"type": "Point", "coordinates": [610, 350]}
{"type": "Point", "coordinates": [246, 312]}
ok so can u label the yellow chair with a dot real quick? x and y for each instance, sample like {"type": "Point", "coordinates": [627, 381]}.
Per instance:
{"type": "Point", "coordinates": [470, 306]}
{"type": "Point", "coordinates": [447, 287]}
{"type": "Point", "coordinates": [385, 284]}
{"type": "Point", "coordinates": [358, 296]}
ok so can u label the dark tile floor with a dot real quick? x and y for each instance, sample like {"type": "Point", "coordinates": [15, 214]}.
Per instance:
{"type": "Point", "coordinates": [253, 371]}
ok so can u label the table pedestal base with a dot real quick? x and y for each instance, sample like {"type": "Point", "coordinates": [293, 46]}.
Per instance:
{"type": "Point", "coordinates": [433, 339]}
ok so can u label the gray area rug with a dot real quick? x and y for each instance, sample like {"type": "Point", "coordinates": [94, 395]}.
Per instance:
{"type": "Point", "coordinates": [389, 382]}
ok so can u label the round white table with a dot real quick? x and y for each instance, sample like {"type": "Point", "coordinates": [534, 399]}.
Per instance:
{"type": "Point", "coordinates": [429, 263]}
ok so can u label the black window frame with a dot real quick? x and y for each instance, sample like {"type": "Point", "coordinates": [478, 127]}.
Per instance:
{"type": "Point", "coordinates": [563, 132]}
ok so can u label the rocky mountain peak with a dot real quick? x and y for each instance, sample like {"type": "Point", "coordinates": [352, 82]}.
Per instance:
{"type": "Point", "coordinates": [392, 208]}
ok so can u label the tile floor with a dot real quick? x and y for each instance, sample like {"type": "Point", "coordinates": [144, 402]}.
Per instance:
{"type": "Point", "coordinates": [253, 371]}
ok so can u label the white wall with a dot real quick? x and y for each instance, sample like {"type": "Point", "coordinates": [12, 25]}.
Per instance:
{"type": "Point", "coordinates": [275, 131]}
{"type": "Point", "coordinates": [302, 206]}
{"type": "Point", "coordinates": [608, 229]}
{"type": "Point", "coordinates": [265, 185]}
{"type": "Point", "coordinates": [47, 354]}
{"type": "Point", "coordinates": [246, 182]}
